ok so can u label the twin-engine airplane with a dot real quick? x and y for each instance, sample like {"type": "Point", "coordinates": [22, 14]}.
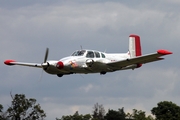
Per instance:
{"type": "Point", "coordinates": [92, 61]}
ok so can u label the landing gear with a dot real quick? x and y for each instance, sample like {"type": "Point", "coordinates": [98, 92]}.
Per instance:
{"type": "Point", "coordinates": [102, 73]}
{"type": "Point", "coordinates": [59, 75]}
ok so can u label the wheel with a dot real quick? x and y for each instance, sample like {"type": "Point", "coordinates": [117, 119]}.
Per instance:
{"type": "Point", "coordinates": [103, 73]}
{"type": "Point", "coordinates": [59, 75]}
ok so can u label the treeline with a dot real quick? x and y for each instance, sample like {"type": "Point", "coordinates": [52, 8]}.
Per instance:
{"type": "Point", "coordinates": [22, 108]}
{"type": "Point", "coordinates": [99, 114]}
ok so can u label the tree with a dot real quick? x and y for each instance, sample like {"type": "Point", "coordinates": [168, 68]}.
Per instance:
{"type": "Point", "coordinates": [2, 114]}
{"type": "Point", "coordinates": [138, 115]}
{"type": "Point", "coordinates": [166, 111]}
{"type": "Point", "coordinates": [24, 109]}
{"type": "Point", "coordinates": [76, 116]}
{"type": "Point", "coordinates": [116, 115]}
{"type": "Point", "coordinates": [98, 112]}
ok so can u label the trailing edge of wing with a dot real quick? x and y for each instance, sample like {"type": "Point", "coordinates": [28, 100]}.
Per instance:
{"type": "Point", "coordinates": [141, 59]}
{"type": "Point", "coordinates": [13, 62]}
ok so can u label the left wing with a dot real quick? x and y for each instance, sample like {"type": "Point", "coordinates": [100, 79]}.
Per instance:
{"type": "Point", "coordinates": [140, 59]}
{"type": "Point", "coordinates": [13, 62]}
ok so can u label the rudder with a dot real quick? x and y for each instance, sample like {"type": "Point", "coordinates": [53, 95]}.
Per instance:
{"type": "Point", "coordinates": [134, 46]}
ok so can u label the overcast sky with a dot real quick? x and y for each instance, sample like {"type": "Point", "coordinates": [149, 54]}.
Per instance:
{"type": "Point", "coordinates": [28, 27]}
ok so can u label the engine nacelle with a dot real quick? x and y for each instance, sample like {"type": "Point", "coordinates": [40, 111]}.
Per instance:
{"type": "Point", "coordinates": [89, 62]}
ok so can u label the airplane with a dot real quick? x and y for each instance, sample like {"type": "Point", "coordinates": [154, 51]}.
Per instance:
{"type": "Point", "coordinates": [86, 61]}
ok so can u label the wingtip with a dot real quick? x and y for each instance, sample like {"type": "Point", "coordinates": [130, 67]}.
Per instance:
{"type": "Point", "coordinates": [9, 62]}
{"type": "Point", "coordinates": [164, 52]}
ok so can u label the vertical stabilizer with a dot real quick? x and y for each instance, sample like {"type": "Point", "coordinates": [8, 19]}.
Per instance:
{"type": "Point", "coordinates": [134, 46]}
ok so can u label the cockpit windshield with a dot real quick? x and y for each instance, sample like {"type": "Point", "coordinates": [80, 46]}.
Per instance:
{"type": "Point", "coordinates": [78, 53]}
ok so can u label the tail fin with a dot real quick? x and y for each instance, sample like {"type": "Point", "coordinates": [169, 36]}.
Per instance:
{"type": "Point", "coordinates": [134, 46]}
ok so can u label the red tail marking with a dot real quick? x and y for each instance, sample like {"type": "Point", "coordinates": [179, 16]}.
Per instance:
{"type": "Point", "coordinates": [137, 44]}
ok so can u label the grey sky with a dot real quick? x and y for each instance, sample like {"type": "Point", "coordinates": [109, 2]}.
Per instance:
{"type": "Point", "coordinates": [28, 27]}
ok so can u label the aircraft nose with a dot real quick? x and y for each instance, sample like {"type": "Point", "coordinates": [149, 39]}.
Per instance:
{"type": "Point", "coordinates": [60, 65]}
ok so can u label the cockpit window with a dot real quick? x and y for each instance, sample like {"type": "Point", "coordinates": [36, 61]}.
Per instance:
{"type": "Point", "coordinates": [90, 54]}
{"type": "Point", "coordinates": [78, 53]}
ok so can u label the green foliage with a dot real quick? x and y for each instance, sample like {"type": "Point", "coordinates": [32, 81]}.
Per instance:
{"type": "Point", "coordinates": [1, 112]}
{"type": "Point", "coordinates": [166, 111]}
{"type": "Point", "coordinates": [76, 116]}
{"type": "Point", "coordinates": [26, 109]}
{"type": "Point", "coordinates": [1, 108]}
{"type": "Point", "coordinates": [138, 115]}
{"type": "Point", "coordinates": [98, 112]}
{"type": "Point", "coordinates": [116, 115]}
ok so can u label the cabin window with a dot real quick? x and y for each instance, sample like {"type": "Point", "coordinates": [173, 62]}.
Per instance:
{"type": "Point", "coordinates": [103, 56]}
{"type": "Point", "coordinates": [97, 54]}
{"type": "Point", "coordinates": [90, 54]}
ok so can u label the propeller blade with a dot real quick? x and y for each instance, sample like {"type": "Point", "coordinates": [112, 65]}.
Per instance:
{"type": "Point", "coordinates": [41, 75]}
{"type": "Point", "coordinates": [45, 64]}
{"type": "Point", "coordinates": [46, 55]}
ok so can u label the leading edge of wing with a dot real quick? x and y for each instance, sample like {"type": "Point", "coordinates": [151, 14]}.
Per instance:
{"type": "Point", "coordinates": [13, 62]}
{"type": "Point", "coordinates": [141, 59]}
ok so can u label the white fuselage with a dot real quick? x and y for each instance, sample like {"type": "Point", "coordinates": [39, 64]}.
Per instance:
{"type": "Point", "coordinates": [89, 62]}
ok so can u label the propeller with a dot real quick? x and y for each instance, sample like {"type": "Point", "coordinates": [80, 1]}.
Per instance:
{"type": "Point", "coordinates": [45, 64]}
{"type": "Point", "coordinates": [46, 55]}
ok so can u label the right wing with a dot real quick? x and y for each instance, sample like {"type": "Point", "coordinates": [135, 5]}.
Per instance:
{"type": "Point", "coordinates": [140, 59]}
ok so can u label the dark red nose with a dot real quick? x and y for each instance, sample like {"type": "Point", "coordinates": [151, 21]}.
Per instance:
{"type": "Point", "coordinates": [60, 65]}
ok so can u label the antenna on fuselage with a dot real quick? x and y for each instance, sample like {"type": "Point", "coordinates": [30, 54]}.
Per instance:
{"type": "Point", "coordinates": [81, 47]}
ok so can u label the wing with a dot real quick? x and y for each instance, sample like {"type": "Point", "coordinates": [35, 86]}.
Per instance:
{"type": "Point", "coordinates": [140, 60]}
{"type": "Point", "coordinates": [12, 62]}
